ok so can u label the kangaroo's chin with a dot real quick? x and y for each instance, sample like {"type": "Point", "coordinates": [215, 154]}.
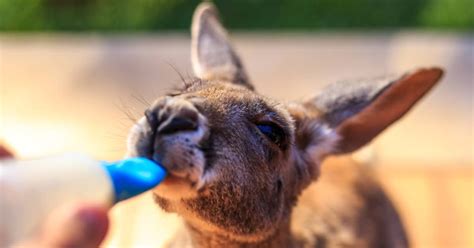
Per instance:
{"type": "Point", "coordinates": [175, 188]}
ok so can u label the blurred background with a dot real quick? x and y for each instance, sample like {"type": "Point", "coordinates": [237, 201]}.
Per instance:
{"type": "Point", "coordinates": [74, 73]}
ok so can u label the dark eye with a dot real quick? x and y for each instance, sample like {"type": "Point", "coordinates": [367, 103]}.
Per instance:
{"type": "Point", "coordinates": [273, 132]}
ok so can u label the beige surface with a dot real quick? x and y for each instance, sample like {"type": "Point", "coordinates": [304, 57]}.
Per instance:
{"type": "Point", "coordinates": [435, 203]}
{"type": "Point", "coordinates": [60, 93]}
{"type": "Point", "coordinates": [63, 83]}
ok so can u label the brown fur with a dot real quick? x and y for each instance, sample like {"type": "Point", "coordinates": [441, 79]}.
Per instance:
{"type": "Point", "coordinates": [236, 186]}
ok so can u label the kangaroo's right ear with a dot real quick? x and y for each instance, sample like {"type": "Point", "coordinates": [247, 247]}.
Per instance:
{"type": "Point", "coordinates": [347, 115]}
{"type": "Point", "coordinates": [212, 55]}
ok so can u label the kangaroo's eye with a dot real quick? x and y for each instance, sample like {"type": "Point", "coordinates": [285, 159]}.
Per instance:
{"type": "Point", "coordinates": [273, 132]}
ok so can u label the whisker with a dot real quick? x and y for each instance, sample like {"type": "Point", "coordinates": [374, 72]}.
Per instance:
{"type": "Point", "coordinates": [187, 74]}
{"type": "Point", "coordinates": [141, 100]}
{"type": "Point", "coordinates": [183, 80]}
{"type": "Point", "coordinates": [114, 135]}
{"type": "Point", "coordinates": [123, 125]}
{"type": "Point", "coordinates": [125, 110]}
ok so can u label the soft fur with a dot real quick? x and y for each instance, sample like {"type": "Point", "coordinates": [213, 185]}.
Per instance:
{"type": "Point", "coordinates": [235, 187]}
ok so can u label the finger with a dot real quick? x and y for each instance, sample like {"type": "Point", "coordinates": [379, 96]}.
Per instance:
{"type": "Point", "coordinates": [82, 227]}
{"type": "Point", "coordinates": [4, 152]}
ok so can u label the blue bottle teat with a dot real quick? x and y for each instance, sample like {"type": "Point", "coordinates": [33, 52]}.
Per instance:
{"type": "Point", "coordinates": [133, 176]}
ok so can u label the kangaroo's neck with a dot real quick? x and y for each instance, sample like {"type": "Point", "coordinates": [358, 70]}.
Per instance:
{"type": "Point", "coordinates": [281, 238]}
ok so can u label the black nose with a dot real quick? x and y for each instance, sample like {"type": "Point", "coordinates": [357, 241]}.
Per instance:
{"type": "Point", "coordinates": [183, 119]}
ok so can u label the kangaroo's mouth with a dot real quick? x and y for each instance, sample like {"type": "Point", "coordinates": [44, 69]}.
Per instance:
{"type": "Point", "coordinates": [186, 157]}
{"type": "Point", "coordinates": [178, 173]}
{"type": "Point", "coordinates": [173, 181]}
{"type": "Point", "coordinates": [175, 135]}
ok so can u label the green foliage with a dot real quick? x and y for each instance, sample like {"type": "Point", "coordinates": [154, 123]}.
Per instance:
{"type": "Point", "coordinates": [448, 13]}
{"type": "Point", "coordinates": [148, 15]}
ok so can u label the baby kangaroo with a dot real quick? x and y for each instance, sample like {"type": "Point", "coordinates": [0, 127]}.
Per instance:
{"type": "Point", "coordinates": [238, 161]}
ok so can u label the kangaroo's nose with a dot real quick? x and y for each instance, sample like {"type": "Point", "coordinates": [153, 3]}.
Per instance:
{"type": "Point", "coordinates": [181, 119]}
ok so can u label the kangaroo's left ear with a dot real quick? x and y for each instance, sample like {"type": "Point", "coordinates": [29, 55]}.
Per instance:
{"type": "Point", "coordinates": [212, 54]}
{"type": "Point", "coordinates": [347, 115]}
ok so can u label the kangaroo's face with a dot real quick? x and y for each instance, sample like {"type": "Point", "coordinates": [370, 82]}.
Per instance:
{"type": "Point", "coordinates": [226, 149]}
{"type": "Point", "coordinates": [238, 160]}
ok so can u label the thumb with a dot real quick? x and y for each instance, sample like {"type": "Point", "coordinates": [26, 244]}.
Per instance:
{"type": "Point", "coordinates": [82, 226]}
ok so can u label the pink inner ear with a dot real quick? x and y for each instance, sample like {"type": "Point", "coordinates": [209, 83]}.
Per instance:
{"type": "Point", "coordinates": [387, 108]}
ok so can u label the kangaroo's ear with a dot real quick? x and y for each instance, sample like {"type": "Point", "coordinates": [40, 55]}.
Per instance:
{"type": "Point", "coordinates": [212, 55]}
{"type": "Point", "coordinates": [348, 115]}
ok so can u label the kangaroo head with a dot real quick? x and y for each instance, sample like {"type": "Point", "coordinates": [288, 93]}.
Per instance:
{"type": "Point", "coordinates": [238, 160]}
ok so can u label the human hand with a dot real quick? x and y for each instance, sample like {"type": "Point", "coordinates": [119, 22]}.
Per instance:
{"type": "Point", "coordinates": [82, 225]}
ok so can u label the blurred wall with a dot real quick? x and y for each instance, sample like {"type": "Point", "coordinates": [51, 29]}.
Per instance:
{"type": "Point", "coordinates": [68, 92]}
